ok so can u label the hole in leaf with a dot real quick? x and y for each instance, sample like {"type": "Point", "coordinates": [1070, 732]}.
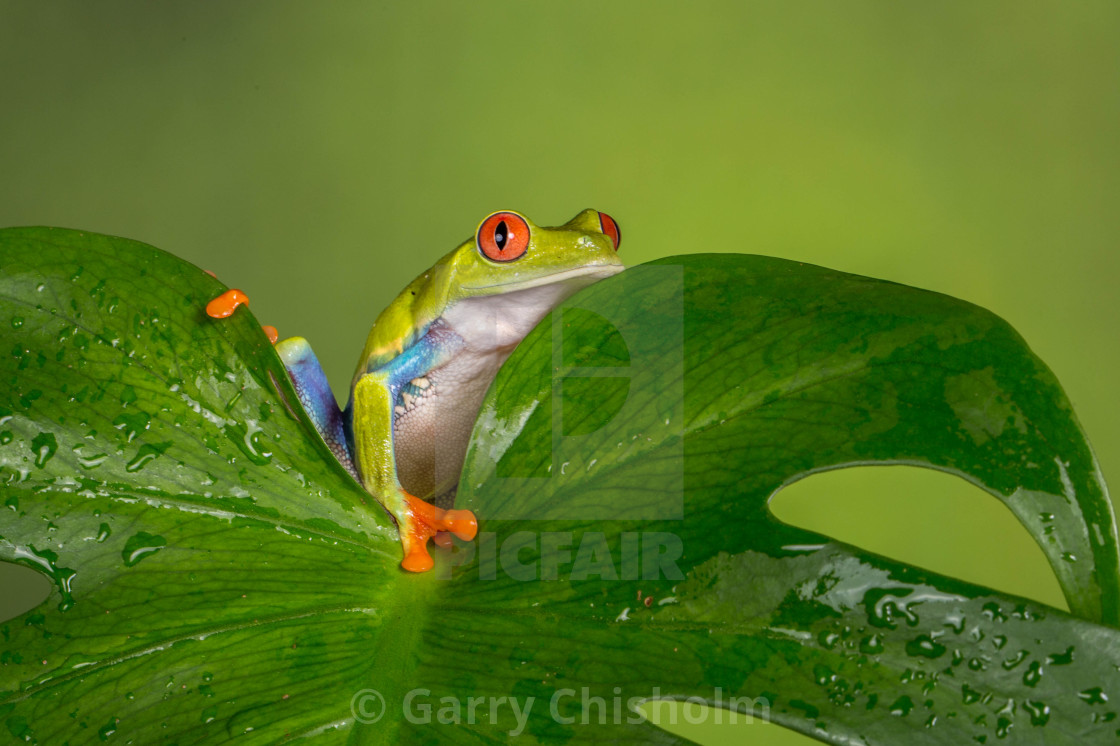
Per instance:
{"type": "Point", "coordinates": [925, 518]}
{"type": "Point", "coordinates": [24, 589]}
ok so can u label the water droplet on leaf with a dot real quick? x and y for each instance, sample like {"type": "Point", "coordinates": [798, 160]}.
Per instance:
{"type": "Point", "coordinates": [140, 546]}
{"type": "Point", "coordinates": [146, 454]}
{"type": "Point", "coordinates": [43, 446]}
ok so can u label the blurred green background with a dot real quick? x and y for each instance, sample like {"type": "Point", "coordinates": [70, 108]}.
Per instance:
{"type": "Point", "coordinates": [320, 155]}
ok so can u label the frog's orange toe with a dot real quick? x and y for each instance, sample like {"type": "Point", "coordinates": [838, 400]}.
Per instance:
{"type": "Point", "coordinates": [442, 539]}
{"type": "Point", "coordinates": [418, 559]}
{"type": "Point", "coordinates": [226, 303]}
{"type": "Point", "coordinates": [462, 523]}
{"type": "Point", "coordinates": [271, 333]}
{"type": "Point", "coordinates": [427, 522]}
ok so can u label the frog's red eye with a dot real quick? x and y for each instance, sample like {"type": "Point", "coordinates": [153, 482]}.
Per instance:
{"type": "Point", "coordinates": [610, 229]}
{"type": "Point", "coordinates": [503, 237]}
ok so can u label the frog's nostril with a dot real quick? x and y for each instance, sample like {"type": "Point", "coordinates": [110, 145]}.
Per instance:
{"type": "Point", "coordinates": [610, 229]}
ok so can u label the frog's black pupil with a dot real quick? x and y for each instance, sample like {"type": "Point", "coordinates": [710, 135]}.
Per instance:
{"type": "Point", "coordinates": [501, 235]}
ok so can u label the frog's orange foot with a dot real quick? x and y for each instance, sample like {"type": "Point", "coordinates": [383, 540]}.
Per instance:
{"type": "Point", "coordinates": [428, 521]}
{"type": "Point", "coordinates": [226, 303]}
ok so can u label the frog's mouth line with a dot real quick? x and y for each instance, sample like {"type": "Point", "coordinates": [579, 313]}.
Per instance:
{"type": "Point", "coordinates": [598, 272]}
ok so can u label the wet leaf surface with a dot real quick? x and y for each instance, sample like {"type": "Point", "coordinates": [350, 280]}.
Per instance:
{"type": "Point", "coordinates": [216, 574]}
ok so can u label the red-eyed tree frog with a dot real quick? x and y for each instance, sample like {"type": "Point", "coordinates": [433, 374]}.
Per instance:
{"type": "Point", "coordinates": [432, 354]}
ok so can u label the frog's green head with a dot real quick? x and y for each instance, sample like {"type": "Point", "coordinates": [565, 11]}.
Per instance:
{"type": "Point", "coordinates": [497, 285]}
{"type": "Point", "coordinates": [512, 273]}
{"type": "Point", "coordinates": [509, 254]}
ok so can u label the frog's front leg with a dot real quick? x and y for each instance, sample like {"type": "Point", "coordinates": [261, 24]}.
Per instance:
{"type": "Point", "coordinates": [307, 378]}
{"type": "Point", "coordinates": [372, 428]}
{"type": "Point", "coordinates": [315, 395]}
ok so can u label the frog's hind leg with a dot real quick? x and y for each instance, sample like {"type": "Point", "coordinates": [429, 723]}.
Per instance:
{"type": "Point", "coordinates": [315, 395]}
{"type": "Point", "coordinates": [417, 521]}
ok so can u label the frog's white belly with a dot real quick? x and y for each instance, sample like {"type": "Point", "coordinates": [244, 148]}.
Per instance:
{"type": "Point", "coordinates": [434, 415]}
{"type": "Point", "coordinates": [431, 430]}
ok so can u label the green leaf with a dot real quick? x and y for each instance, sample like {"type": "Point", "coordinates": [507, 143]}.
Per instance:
{"type": "Point", "coordinates": [786, 370]}
{"type": "Point", "coordinates": [218, 574]}
{"type": "Point", "coordinates": [209, 556]}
